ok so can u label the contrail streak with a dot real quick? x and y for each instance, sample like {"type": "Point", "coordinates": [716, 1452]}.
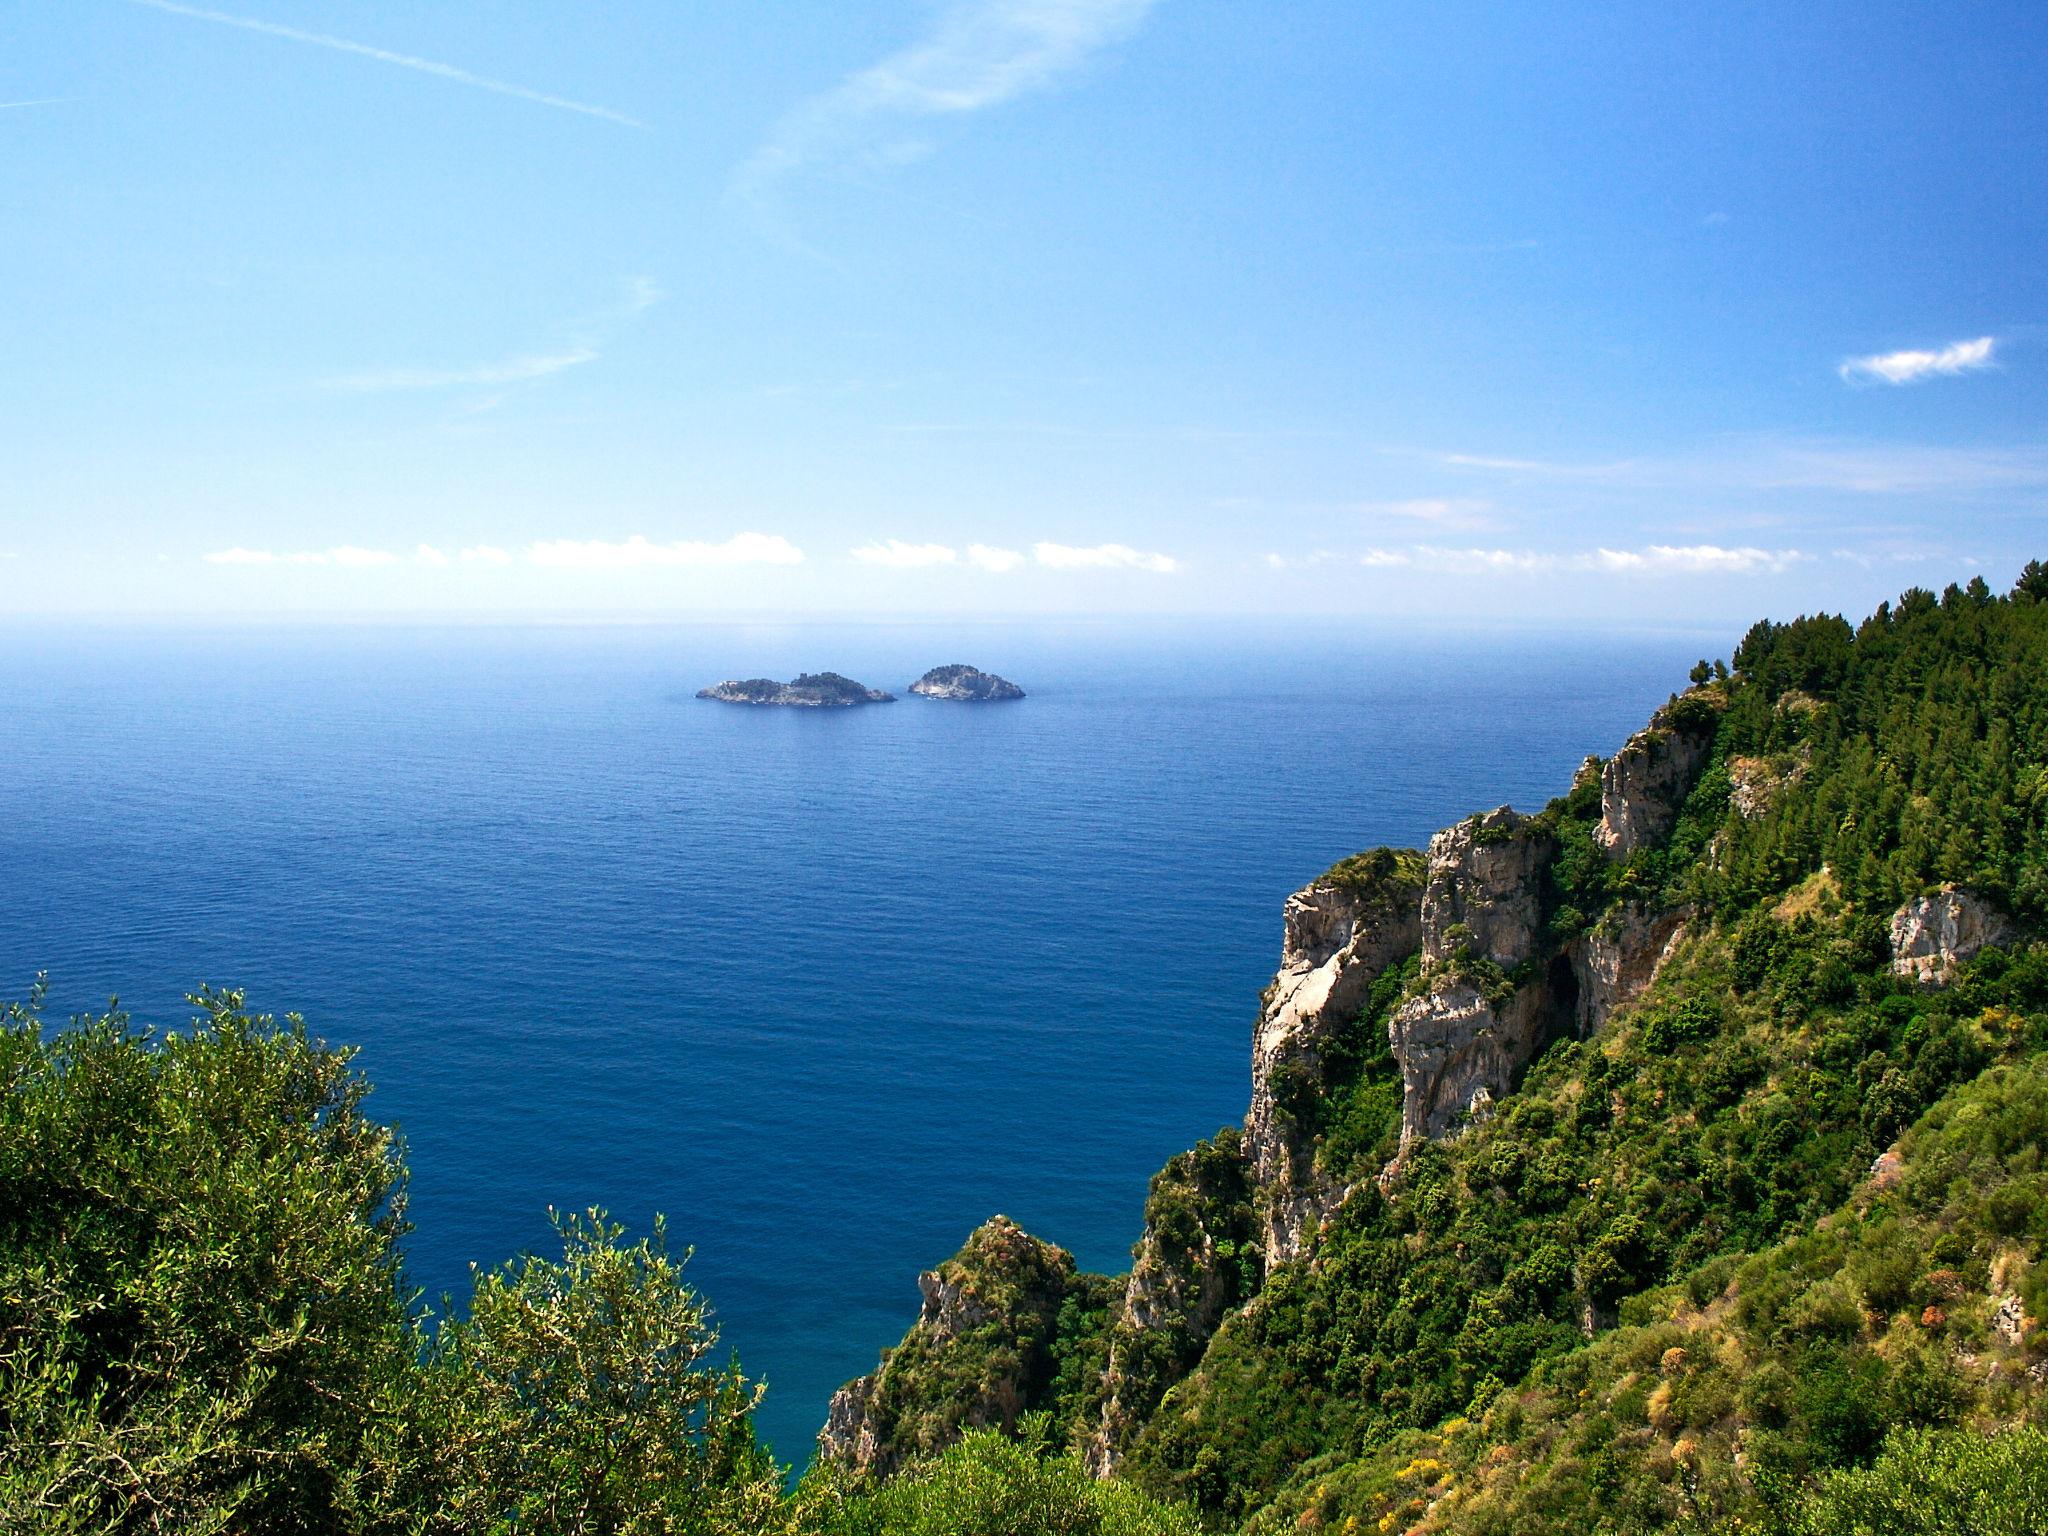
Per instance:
{"type": "Point", "coordinates": [384, 56]}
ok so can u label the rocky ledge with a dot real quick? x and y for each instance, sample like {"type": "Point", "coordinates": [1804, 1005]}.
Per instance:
{"type": "Point", "coordinates": [808, 690]}
{"type": "Point", "coordinates": [965, 684]}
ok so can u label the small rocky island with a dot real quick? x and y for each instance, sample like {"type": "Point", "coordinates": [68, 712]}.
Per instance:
{"type": "Point", "coordinates": [965, 684]}
{"type": "Point", "coordinates": [808, 690]}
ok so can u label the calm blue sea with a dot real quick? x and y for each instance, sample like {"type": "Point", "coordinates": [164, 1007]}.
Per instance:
{"type": "Point", "coordinates": [827, 988]}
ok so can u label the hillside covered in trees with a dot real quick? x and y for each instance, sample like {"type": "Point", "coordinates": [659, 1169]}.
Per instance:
{"type": "Point", "coordinates": [1669, 1159]}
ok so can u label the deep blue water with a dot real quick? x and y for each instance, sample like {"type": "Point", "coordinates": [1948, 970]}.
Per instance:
{"type": "Point", "coordinates": [827, 988]}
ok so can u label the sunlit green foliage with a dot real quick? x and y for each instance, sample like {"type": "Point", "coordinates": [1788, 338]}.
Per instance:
{"type": "Point", "coordinates": [988, 1484]}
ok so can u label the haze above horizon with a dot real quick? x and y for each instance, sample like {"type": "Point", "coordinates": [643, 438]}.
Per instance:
{"type": "Point", "coordinates": [1031, 307]}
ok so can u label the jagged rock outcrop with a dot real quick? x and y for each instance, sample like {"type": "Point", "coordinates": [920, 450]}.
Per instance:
{"type": "Point", "coordinates": [1460, 1046]}
{"type": "Point", "coordinates": [1484, 891]}
{"type": "Point", "coordinates": [808, 690]}
{"type": "Point", "coordinates": [963, 684]}
{"type": "Point", "coordinates": [1932, 935]}
{"type": "Point", "coordinates": [1618, 959]}
{"type": "Point", "coordinates": [1462, 1039]}
{"type": "Point", "coordinates": [1644, 785]}
{"type": "Point", "coordinates": [978, 1354]}
{"type": "Point", "coordinates": [1197, 1259]}
{"type": "Point", "coordinates": [1338, 934]}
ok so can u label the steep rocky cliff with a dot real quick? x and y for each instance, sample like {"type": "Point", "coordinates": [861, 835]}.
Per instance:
{"type": "Point", "coordinates": [1456, 946]}
{"type": "Point", "coordinates": [1479, 1018]}
{"type": "Point", "coordinates": [980, 1353]}
{"type": "Point", "coordinates": [1646, 782]}
{"type": "Point", "coordinates": [1338, 934]}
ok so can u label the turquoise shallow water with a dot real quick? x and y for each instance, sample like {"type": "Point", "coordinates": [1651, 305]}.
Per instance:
{"type": "Point", "coordinates": [827, 988]}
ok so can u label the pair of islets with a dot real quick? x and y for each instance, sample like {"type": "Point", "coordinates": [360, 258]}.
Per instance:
{"type": "Point", "coordinates": [828, 690]}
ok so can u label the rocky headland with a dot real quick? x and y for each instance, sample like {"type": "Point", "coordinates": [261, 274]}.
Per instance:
{"type": "Point", "coordinates": [964, 684]}
{"type": "Point", "coordinates": [808, 690]}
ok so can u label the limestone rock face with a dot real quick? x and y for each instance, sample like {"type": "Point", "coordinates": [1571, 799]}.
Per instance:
{"type": "Point", "coordinates": [1932, 935]}
{"type": "Point", "coordinates": [1644, 785]}
{"type": "Point", "coordinates": [1617, 960]}
{"type": "Point", "coordinates": [1485, 876]}
{"type": "Point", "coordinates": [1339, 934]}
{"type": "Point", "coordinates": [1459, 1051]}
{"type": "Point", "coordinates": [966, 685]}
{"type": "Point", "coordinates": [978, 1354]}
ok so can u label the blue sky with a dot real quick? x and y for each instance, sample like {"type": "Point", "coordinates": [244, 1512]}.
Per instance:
{"type": "Point", "coordinates": [1509, 313]}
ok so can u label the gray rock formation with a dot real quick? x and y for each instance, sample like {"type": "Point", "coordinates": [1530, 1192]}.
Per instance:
{"type": "Point", "coordinates": [1932, 935]}
{"type": "Point", "coordinates": [1485, 890]}
{"type": "Point", "coordinates": [1459, 1050]}
{"type": "Point", "coordinates": [808, 690]}
{"type": "Point", "coordinates": [1618, 959]}
{"type": "Point", "coordinates": [1644, 785]}
{"type": "Point", "coordinates": [964, 684]}
{"type": "Point", "coordinates": [978, 1354]}
{"type": "Point", "coordinates": [1338, 934]}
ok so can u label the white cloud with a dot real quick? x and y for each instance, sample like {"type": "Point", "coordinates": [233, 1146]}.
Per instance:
{"type": "Point", "coordinates": [1911, 366]}
{"type": "Point", "coordinates": [384, 56]}
{"type": "Point", "coordinates": [991, 558]}
{"type": "Point", "coordinates": [906, 556]}
{"type": "Point", "coordinates": [979, 54]}
{"type": "Point", "coordinates": [426, 554]}
{"type": "Point", "coordinates": [598, 554]}
{"type": "Point", "coordinates": [1068, 557]}
{"type": "Point", "coordinates": [1383, 557]}
{"type": "Point", "coordinates": [340, 554]}
{"type": "Point", "coordinates": [514, 370]}
{"type": "Point", "coordinates": [486, 554]}
{"type": "Point", "coordinates": [1695, 558]}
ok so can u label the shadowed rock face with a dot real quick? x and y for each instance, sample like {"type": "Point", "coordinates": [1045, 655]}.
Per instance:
{"type": "Point", "coordinates": [1617, 961]}
{"type": "Point", "coordinates": [1644, 785]}
{"type": "Point", "coordinates": [966, 685]}
{"type": "Point", "coordinates": [1459, 1050]}
{"type": "Point", "coordinates": [1486, 877]}
{"type": "Point", "coordinates": [808, 690]}
{"type": "Point", "coordinates": [1932, 935]}
{"type": "Point", "coordinates": [1338, 935]}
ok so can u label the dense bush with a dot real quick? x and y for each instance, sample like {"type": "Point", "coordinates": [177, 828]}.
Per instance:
{"type": "Point", "coordinates": [988, 1484]}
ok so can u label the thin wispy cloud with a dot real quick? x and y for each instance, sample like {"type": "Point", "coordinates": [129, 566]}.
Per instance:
{"type": "Point", "coordinates": [1910, 367]}
{"type": "Point", "coordinates": [1650, 560]}
{"type": "Point", "coordinates": [386, 56]}
{"type": "Point", "coordinates": [588, 337]}
{"type": "Point", "coordinates": [1764, 462]}
{"type": "Point", "coordinates": [340, 554]}
{"type": "Point", "coordinates": [40, 101]}
{"type": "Point", "coordinates": [979, 54]}
{"type": "Point", "coordinates": [639, 551]}
{"type": "Point", "coordinates": [485, 554]}
{"type": "Point", "coordinates": [1069, 557]}
{"type": "Point", "coordinates": [513, 370]}
{"type": "Point", "coordinates": [1450, 512]}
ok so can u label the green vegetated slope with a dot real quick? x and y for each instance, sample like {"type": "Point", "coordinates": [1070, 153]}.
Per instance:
{"type": "Point", "coordinates": [1699, 1171]}
{"type": "Point", "coordinates": [1763, 1251]}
